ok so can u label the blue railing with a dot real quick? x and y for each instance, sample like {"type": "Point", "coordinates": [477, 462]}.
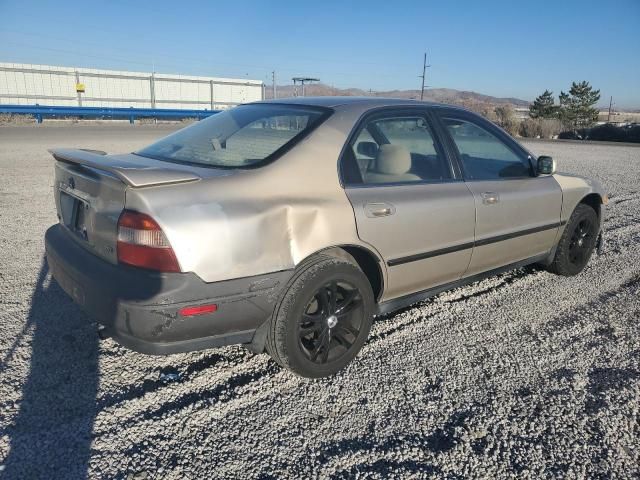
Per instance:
{"type": "Point", "coordinates": [41, 112]}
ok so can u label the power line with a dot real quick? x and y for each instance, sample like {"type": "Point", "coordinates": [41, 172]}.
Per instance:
{"type": "Point", "coordinates": [180, 63]}
{"type": "Point", "coordinates": [98, 44]}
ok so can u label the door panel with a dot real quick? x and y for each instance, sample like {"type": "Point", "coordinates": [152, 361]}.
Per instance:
{"type": "Point", "coordinates": [517, 214]}
{"type": "Point", "coordinates": [408, 202]}
{"type": "Point", "coordinates": [424, 232]}
{"type": "Point", "coordinates": [515, 219]}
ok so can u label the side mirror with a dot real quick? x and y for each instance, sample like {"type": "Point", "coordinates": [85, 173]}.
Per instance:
{"type": "Point", "coordinates": [546, 165]}
{"type": "Point", "coordinates": [368, 149]}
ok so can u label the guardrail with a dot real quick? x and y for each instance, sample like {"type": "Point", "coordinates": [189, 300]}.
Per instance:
{"type": "Point", "coordinates": [40, 112]}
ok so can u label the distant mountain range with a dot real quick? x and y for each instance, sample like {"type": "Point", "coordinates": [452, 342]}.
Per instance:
{"type": "Point", "coordinates": [442, 95]}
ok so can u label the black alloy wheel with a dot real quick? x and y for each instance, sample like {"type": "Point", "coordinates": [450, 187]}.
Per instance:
{"type": "Point", "coordinates": [323, 318]}
{"type": "Point", "coordinates": [577, 242]}
{"type": "Point", "coordinates": [331, 322]}
{"type": "Point", "coordinates": [582, 242]}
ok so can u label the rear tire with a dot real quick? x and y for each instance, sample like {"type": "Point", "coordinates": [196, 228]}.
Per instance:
{"type": "Point", "coordinates": [576, 243]}
{"type": "Point", "coordinates": [323, 318]}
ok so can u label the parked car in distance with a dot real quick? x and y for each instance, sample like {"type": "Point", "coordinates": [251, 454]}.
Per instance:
{"type": "Point", "coordinates": [288, 225]}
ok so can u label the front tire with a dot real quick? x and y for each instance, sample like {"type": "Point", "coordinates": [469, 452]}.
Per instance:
{"type": "Point", "coordinates": [323, 318]}
{"type": "Point", "coordinates": [577, 242]}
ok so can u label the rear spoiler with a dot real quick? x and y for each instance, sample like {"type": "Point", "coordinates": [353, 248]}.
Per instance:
{"type": "Point", "coordinates": [132, 173]}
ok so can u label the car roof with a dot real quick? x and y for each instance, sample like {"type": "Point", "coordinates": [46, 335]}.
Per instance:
{"type": "Point", "coordinates": [371, 102]}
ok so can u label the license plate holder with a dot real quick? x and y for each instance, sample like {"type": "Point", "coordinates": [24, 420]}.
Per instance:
{"type": "Point", "coordinates": [73, 211]}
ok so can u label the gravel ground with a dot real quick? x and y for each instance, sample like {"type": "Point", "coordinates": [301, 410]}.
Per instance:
{"type": "Point", "coordinates": [524, 375]}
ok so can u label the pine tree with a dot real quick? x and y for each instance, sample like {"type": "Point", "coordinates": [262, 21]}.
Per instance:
{"type": "Point", "coordinates": [577, 107]}
{"type": "Point", "coordinates": [544, 106]}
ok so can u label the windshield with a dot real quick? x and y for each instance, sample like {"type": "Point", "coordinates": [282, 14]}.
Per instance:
{"type": "Point", "coordinates": [244, 136]}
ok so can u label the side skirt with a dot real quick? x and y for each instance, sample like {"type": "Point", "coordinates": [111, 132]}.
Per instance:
{"type": "Point", "coordinates": [401, 302]}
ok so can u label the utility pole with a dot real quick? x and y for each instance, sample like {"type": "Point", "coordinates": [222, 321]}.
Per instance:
{"type": "Point", "coordinates": [273, 82]}
{"type": "Point", "coordinates": [610, 105]}
{"type": "Point", "coordinates": [424, 74]}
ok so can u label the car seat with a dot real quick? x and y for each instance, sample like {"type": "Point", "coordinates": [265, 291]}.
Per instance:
{"type": "Point", "coordinates": [391, 165]}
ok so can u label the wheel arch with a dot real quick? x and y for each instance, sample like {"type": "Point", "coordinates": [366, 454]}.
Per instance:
{"type": "Point", "coordinates": [595, 201]}
{"type": "Point", "coordinates": [367, 260]}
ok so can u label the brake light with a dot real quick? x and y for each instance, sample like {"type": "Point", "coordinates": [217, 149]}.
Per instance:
{"type": "Point", "coordinates": [142, 243]}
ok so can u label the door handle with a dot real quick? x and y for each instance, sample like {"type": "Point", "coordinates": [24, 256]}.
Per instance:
{"type": "Point", "coordinates": [375, 210]}
{"type": "Point", "coordinates": [490, 198]}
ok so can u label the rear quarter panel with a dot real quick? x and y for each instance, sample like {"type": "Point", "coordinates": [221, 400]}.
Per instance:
{"type": "Point", "coordinates": [258, 221]}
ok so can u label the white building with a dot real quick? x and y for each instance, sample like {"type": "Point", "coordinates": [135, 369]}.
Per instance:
{"type": "Point", "coordinates": [22, 84]}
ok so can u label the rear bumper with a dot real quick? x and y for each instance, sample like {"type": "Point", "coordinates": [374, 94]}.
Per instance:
{"type": "Point", "coordinates": [139, 308]}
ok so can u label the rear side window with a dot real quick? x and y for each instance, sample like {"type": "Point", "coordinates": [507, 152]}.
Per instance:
{"type": "Point", "coordinates": [483, 155]}
{"type": "Point", "coordinates": [394, 149]}
{"type": "Point", "coordinates": [242, 137]}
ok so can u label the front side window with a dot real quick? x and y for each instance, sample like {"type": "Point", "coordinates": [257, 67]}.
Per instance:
{"type": "Point", "coordinates": [244, 136]}
{"type": "Point", "coordinates": [396, 149]}
{"type": "Point", "coordinates": [484, 156]}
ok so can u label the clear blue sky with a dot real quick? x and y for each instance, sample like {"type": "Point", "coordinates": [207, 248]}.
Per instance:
{"type": "Point", "coordinates": [501, 48]}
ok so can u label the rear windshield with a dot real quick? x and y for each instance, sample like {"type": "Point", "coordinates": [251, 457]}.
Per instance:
{"type": "Point", "coordinates": [242, 137]}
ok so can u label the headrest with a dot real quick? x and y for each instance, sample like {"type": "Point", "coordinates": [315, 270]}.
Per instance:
{"type": "Point", "coordinates": [393, 160]}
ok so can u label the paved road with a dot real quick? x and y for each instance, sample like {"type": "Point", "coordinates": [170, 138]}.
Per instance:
{"type": "Point", "coordinates": [526, 374]}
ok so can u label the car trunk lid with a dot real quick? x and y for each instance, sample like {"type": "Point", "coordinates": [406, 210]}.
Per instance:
{"type": "Point", "coordinates": [132, 170]}
{"type": "Point", "coordinates": [90, 192]}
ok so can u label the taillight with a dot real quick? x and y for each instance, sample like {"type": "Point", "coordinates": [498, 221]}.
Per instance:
{"type": "Point", "coordinates": [142, 243]}
{"type": "Point", "coordinates": [198, 310]}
